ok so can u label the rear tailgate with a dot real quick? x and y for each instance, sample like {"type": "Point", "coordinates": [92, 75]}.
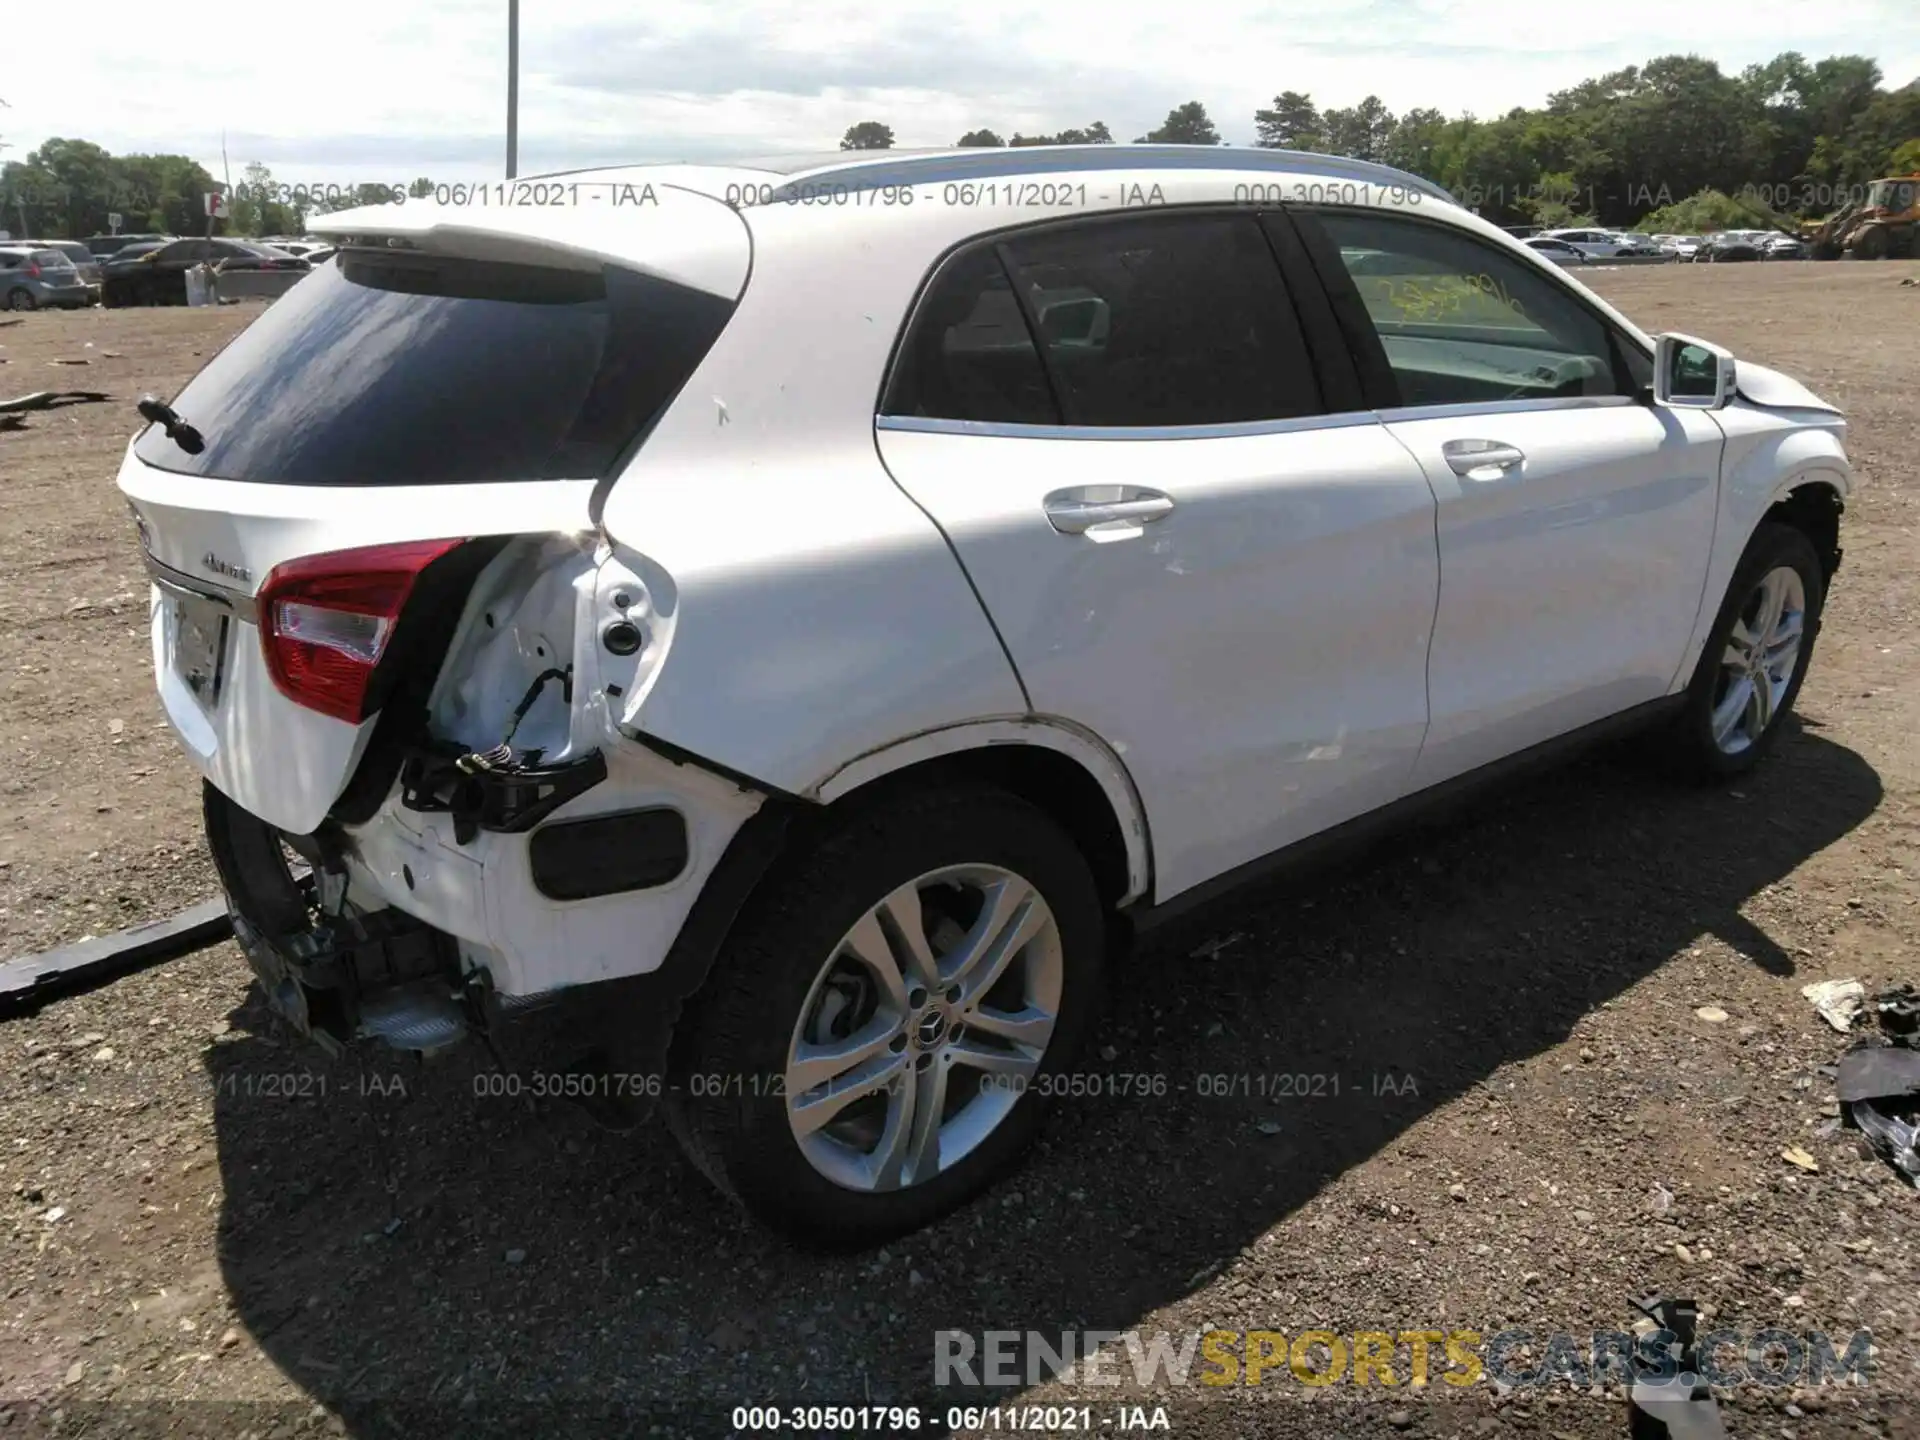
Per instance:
{"type": "Point", "coordinates": [456, 373]}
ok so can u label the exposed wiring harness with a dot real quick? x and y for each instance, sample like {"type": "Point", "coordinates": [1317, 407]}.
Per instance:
{"type": "Point", "coordinates": [501, 756]}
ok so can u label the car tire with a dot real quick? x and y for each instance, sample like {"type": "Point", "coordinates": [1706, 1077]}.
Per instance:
{"type": "Point", "coordinates": [1697, 746]}
{"type": "Point", "coordinates": [761, 1012]}
{"type": "Point", "coordinates": [19, 299]}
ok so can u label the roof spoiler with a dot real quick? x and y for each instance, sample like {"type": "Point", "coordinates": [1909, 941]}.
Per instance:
{"type": "Point", "coordinates": [666, 231]}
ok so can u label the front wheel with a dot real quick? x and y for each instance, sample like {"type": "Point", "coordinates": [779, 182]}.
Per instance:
{"type": "Point", "coordinates": [877, 1041]}
{"type": "Point", "coordinates": [1755, 658]}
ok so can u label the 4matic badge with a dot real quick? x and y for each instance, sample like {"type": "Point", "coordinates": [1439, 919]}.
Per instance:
{"type": "Point", "coordinates": [221, 567]}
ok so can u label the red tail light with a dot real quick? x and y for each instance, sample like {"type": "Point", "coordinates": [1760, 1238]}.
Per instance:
{"type": "Point", "coordinates": [33, 270]}
{"type": "Point", "coordinates": [326, 620]}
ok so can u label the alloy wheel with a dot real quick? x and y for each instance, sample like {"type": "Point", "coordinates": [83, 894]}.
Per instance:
{"type": "Point", "coordinates": [920, 1031]}
{"type": "Point", "coordinates": [1761, 658]}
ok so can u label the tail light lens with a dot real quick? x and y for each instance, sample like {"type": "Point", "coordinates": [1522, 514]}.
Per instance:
{"type": "Point", "coordinates": [326, 621]}
{"type": "Point", "coordinates": [34, 271]}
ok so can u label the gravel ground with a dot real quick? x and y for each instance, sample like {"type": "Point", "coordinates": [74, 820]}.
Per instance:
{"type": "Point", "coordinates": [1555, 1050]}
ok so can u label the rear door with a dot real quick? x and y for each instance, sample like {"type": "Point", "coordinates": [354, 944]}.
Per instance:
{"type": "Point", "coordinates": [469, 379]}
{"type": "Point", "coordinates": [1117, 424]}
{"type": "Point", "coordinates": [1575, 517]}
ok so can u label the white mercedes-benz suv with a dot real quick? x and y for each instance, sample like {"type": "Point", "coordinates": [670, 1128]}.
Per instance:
{"type": "Point", "coordinates": [755, 637]}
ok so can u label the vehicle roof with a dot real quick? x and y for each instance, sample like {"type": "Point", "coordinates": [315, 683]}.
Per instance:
{"type": "Point", "coordinates": [877, 168]}
{"type": "Point", "coordinates": [707, 224]}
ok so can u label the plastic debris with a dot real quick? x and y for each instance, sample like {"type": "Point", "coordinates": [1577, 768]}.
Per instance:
{"type": "Point", "coordinates": [1895, 1138]}
{"type": "Point", "coordinates": [1899, 1011]}
{"type": "Point", "coordinates": [1877, 1072]}
{"type": "Point", "coordinates": [1668, 1396]}
{"type": "Point", "coordinates": [12, 410]}
{"type": "Point", "coordinates": [1878, 1083]}
{"type": "Point", "coordinates": [1838, 1001]}
{"type": "Point", "coordinates": [1794, 1155]}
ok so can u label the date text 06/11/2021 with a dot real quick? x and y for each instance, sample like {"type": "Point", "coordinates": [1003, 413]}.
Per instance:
{"type": "Point", "coordinates": [907, 1419]}
{"type": "Point", "coordinates": [497, 194]}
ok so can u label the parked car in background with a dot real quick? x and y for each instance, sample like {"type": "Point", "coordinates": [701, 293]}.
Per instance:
{"type": "Point", "coordinates": [1636, 246]}
{"type": "Point", "coordinates": [121, 260]}
{"type": "Point", "coordinates": [105, 245]}
{"type": "Point", "coordinates": [1778, 246]}
{"type": "Point", "coordinates": [159, 276]}
{"type": "Point", "coordinates": [1595, 244]}
{"type": "Point", "coordinates": [1683, 247]}
{"type": "Point", "coordinates": [35, 277]}
{"type": "Point", "coordinates": [1728, 245]}
{"type": "Point", "coordinates": [1558, 251]}
{"type": "Point", "coordinates": [84, 260]}
{"type": "Point", "coordinates": [1055, 573]}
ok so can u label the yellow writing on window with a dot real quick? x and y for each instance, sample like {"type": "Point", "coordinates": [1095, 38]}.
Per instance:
{"type": "Point", "coordinates": [1433, 299]}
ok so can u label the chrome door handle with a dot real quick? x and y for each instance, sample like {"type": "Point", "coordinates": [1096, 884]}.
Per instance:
{"type": "Point", "coordinates": [1074, 516]}
{"type": "Point", "coordinates": [1482, 459]}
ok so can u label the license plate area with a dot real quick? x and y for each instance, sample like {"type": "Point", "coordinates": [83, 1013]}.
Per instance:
{"type": "Point", "coordinates": [200, 632]}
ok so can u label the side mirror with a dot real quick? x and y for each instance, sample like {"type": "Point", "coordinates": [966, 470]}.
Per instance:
{"type": "Point", "coordinates": [1690, 374]}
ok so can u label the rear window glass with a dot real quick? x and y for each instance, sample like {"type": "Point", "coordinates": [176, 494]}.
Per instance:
{"type": "Point", "coordinates": [52, 258]}
{"type": "Point", "coordinates": [412, 370]}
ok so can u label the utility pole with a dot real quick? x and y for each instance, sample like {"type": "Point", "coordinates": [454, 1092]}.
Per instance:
{"type": "Point", "coordinates": [513, 88]}
{"type": "Point", "coordinates": [21, 195]}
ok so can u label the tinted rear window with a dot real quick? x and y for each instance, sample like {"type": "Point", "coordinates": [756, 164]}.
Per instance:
{"type": "Point", "coordinates": [52, 259]}
{"type": "Point", "coordinates": [411, 370]}
{"type": "Point", "coordinates": [1166, 320]}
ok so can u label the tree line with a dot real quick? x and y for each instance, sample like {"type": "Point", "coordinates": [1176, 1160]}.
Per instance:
{"type": "Point", "coordinates": [1674, 140]}
{"type": "Point", "coordinates": [69, 189]}
{"type": "Point", "coordinates": [1673, 144]}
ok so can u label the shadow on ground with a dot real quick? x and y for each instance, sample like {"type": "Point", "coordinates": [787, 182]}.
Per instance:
{"type": "Point", "coordinates": [448, 1259]}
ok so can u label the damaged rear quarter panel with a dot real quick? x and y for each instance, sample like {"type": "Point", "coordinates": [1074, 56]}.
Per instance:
{"type": "Point", "coordinates": [818, 614]}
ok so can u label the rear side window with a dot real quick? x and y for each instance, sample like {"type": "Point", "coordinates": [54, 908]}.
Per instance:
{"type": "Point", "coordinates": [1165, 320]}
{"type": "Point", "coordinates": [413, 370]}
{"type": "Point", "coordinates": [968, 354]}
{"type": "Point", "coordinates": [1169, 320]}
{"type": "Point", "coordinates": [52, 259]}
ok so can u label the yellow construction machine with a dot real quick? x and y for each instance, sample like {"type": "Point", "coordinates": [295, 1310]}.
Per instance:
{"type": "Point", "coordinates": [1885, 224]}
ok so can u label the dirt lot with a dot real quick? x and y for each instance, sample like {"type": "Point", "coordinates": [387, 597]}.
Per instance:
{"type": "Point", "coordinates": [1532, 1124]}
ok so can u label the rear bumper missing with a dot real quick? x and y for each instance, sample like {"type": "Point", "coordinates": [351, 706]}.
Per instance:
{"type": "Point", "coordinates": [384, 976]}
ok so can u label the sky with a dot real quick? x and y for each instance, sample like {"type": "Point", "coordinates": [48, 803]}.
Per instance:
{"type": "Point", "coordinates": [386, 93]}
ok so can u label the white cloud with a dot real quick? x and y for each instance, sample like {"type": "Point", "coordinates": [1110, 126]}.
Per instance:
{"type": "Point", "coordinates": [386, 95]}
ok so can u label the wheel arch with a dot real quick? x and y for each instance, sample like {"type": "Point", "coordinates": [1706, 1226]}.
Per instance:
{"type": "Point", "coordinates": [1812, 502]}
{"type": "Point", "coordinates": [1053, 763]}
{"type": "Point", "coordinates": [1802, 480]}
